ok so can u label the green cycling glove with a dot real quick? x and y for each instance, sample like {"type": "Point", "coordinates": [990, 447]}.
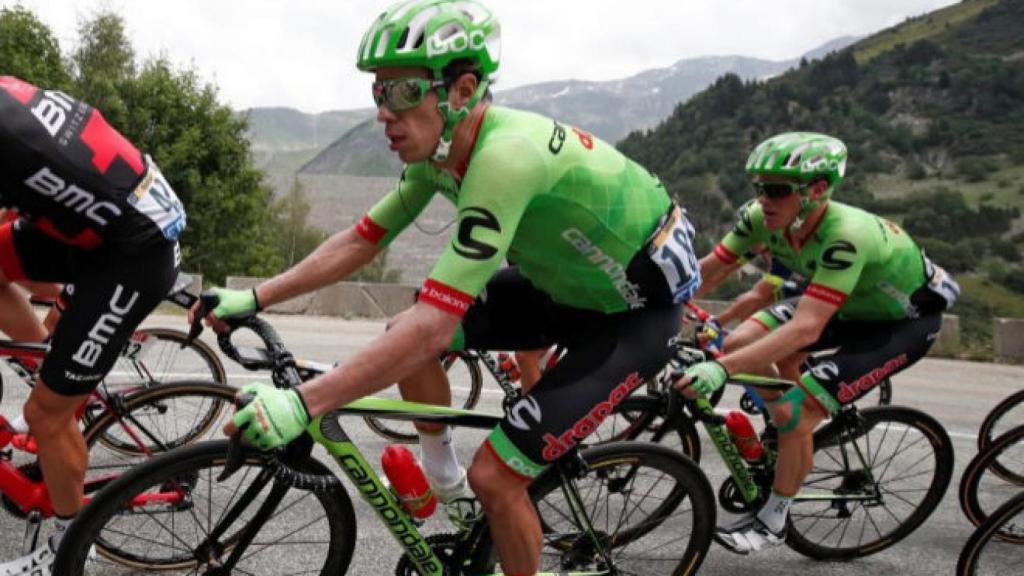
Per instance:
{"type": "Point", "coordinates": [235, 303]}
{"type": "Point", "coordinates": [707, 377]}
{"type": "Point", "coordinates": [273, 418]}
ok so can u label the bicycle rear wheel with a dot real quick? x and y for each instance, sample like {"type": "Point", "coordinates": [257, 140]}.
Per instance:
{"type": "Point", "coordinates": [877, 476]}
{"type": "Point", "coordinates": [994, 549]}
{"type": "Point", "coordinates": [172, 515]}
{"type": "Point", "coordinates": [157, 419]}
{"type": "Point", "coordinates": [1006, 415]}
{"type": "Point", "coordinates": [651, 509]}
{"type": "Point", "coordinates": [465, 380]}
{"type": "Point", "coordinates": [982, 488]}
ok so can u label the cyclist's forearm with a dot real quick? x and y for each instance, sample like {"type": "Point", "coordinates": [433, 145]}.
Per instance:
{"type": "Point", "coordinates": [420, 336]}
{"type": "Point", "coordinates": [340, 255]}
{"type": "Point", "coordinates": [713, 272]}
{"type": "Point", "coordinates": [788, 339]}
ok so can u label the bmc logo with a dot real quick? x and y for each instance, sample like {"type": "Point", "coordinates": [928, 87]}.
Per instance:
{"type": "Point", "coordinates": [90, 350]}
{"type": "Point", "coordinates": [70, 196]}
{"type": "Point", "coordinates": [52, 110]}
{"type": "Point", "coordinates": [458, 42]}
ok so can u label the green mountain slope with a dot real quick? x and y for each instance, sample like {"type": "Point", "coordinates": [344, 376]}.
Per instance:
{"type": "Point", "coordinates": [932, 111]}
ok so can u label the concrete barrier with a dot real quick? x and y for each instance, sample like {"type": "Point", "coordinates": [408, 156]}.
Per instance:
{"type": "Point", "coordinates": [1008, 340]}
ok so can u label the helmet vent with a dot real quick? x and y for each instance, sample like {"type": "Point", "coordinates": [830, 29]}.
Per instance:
{"type": "Point", "coordinates": [382, 44]}
{"type": "Point", "coordinates": [416, 32]}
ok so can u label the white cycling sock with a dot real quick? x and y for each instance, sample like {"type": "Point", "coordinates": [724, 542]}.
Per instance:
{"type": "Point", "coordinates": [437, 453]}
{"type": "Point", "coordinates": [774, 512]}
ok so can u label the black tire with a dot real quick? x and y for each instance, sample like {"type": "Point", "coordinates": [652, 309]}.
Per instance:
{"type": "Point", "coordinates": [155, 356]}
{"type": "Point", "coordinates": [982, 488]}
{"type": "Point", "coordinates": [128, 539]}
{"type": "Point", "coordinates": [1006, 415]}
{"type": "Point", "coordinates": [155, 420]}
{"type": "Point", "coordinates": [641, 417]}
{"type": "Point", "coordinates": [468, 381]}
{"type": "Point", "coordinates": [910, 457]}
{"type": "Point", "coordinates": [650, 541]}
{"type": "Point", "coordinates": [994, 549]}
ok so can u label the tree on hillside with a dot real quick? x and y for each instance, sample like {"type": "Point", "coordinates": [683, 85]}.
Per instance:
{"type": "Point", "coordinates": [103, 62]}
{"type": "Point", "coordinates": [197, 142]}
{"type": "Point", "coordinates": [295, 238]}
{"type": "Point", "coordinates": [29, 50]}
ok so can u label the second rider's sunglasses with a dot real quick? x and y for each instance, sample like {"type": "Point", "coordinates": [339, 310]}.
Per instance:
{"type": "Point", "coordinates": [401, 94]}
{"type": "Point", "coordinates": [777, 189]}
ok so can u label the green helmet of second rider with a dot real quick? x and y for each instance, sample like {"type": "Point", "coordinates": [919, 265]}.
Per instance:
{"type": "Point", "coordinates": [434, 34]}
{"type": "Point", "coordinates": [803, 157]}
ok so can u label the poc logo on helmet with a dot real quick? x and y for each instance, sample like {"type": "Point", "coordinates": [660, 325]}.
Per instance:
{"type": "Point", "coordinates": [458, 42]}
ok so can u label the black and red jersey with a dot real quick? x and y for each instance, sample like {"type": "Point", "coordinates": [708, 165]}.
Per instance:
{"type": "Point", "coordinates": [77, 178]}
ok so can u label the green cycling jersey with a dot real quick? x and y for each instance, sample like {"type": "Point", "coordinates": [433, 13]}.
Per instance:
{"type": "Point", "coordinates": [866, 265]}
{"type": "Point", "coordinates": [568, 209]}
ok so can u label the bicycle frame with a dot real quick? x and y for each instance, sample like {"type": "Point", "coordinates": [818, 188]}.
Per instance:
{"type": "Point", "coordinates": [742, 472]}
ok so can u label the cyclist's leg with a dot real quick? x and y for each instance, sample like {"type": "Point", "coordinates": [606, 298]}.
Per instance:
{"type": "Point", "coordinates": [608, 357]}
{"type": "Point", "coordinates": [114, 293]}
{"type": "Point", "coordinates": [18, 320]}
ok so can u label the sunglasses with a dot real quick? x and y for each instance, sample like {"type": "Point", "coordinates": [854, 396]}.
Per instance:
{"type": "Point", "coordinates": [777, 189]}
{"type": "Point", "coordinates": [402, 93]}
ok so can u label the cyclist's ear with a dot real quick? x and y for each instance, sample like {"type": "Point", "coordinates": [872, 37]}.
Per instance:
{"type": "Point", "coordinates": [818, 189]}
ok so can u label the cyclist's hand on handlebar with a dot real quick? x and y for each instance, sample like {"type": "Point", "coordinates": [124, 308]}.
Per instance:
{"type": "Point", "coordinates": [271, 419]}
{"type": "Point", "coordinates": [703, 377]}
{"type": "Point", "coordinates": [231, 304]}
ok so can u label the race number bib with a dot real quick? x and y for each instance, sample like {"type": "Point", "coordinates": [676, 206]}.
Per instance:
{"type": "Point", "coordinates": [155, 198]}
{"type": "Point", "coordinates": [941, 283]}
{"type": "Point", "coordinates": [671, 249]}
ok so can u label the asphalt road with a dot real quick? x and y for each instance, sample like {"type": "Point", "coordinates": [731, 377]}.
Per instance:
{"type": "Point", "coordinates": [958, 394]}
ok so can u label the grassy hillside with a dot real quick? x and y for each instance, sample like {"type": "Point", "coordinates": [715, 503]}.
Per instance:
{"type": "Point", "coordinates": [920, 28]}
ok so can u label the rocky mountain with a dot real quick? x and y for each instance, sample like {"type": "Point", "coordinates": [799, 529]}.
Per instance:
{"type": "Point", "coordinates": [609, 109]}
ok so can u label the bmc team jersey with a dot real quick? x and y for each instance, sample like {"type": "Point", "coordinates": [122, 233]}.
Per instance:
{"type": "Point", "coordinates": [77, 179]}
{"type": "Point", "coordinates": [569, 210]}
{"type": "Point", "coordinates": [866, 265]}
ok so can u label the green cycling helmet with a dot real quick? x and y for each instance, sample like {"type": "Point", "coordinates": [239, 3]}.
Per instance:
{"type": "Point", "coordinates": [432, 34]}
{"type": "Point", "coordinates": [804, 156]}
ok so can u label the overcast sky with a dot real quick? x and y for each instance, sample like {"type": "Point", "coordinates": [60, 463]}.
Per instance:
{"type": "Point", "coordinates": [301, 53]}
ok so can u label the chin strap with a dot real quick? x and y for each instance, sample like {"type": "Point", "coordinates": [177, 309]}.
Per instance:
{"type": "Point", "coordinates": [808, 206]}
{"type": "Point", "coordinates": [452, 116]}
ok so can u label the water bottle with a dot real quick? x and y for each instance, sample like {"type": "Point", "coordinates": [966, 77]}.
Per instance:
{"type": "Point", "coordinates": [743, 435]}
{"type": "Point", "coordinates": [408, 481]}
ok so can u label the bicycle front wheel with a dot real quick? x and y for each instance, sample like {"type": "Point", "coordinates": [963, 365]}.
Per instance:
{"type": "Point", "coordinates": [172, 514]}
{"type": "Point", "coordinates": [982, 487]}
{"type": "Point", "coordinates": [465, 380]}
{"type": "Point", "coordinates": [1006, 415]}
{"type": "Point", "coordinates": [643, 417]}
{"type": "Point", "coordinates": [156, 355]}
{"type": "Point", "coordinates": [873, 483]}
{"type": "Point", "coordinates": [995, 547]}
{"type": "Point", "coordinates": [640, 509]}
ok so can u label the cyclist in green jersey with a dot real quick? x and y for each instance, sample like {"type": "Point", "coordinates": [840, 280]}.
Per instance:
{"type": "Point", "coordinates": [602, 263]}
{"type": "Point", "coordinates": [872, 295]}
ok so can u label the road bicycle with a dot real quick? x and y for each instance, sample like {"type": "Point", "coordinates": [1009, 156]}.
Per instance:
{"type": "Point", "coordinates": [220, 508]}
{"type": "Point", "coordinates": [995, 548]}
{"type": "Point", "coordinates": [985, 484]}
{"type": "Point", "coordinates": [1006, 415]}
{"type": "Point", "coordinates": [879, 472]}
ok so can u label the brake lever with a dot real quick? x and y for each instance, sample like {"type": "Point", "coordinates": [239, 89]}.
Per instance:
{"type": "Point", "coordinates": [236, 452]}
{"type": "Point", "coordinates": [207, 302]}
